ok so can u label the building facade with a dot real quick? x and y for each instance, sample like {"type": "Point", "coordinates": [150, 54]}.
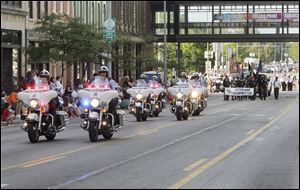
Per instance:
{"type": "Point", "coordinates": [13, 27]}
{"type": "Point", "coordinates": [93, 13]}
{"type": "Point", "coordinates": [131, 19]}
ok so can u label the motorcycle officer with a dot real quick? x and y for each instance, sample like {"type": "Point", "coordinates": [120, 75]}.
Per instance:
{"type": "Point", "coordinates": [44, 79]}
{"type": "Point", "coordinates": [183, 79]}
{"type": "Point", "coordinates": [102, 77]}
{"type": "Point", "coordinates": [195, 80]}
{"type": "Point", "coordinates": [141, 82]}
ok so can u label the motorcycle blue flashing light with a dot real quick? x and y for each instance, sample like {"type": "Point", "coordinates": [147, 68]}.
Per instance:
{"type": "Point", "coordinates": [85, 102]}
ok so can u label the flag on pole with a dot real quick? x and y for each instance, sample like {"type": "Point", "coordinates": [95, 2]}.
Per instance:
{"type": "Point", "coordinates": [259, 68]}
{"type": "Point", "coordinates": [231, 64]}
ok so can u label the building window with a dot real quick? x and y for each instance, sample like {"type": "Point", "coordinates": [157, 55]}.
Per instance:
{"type": "Point", "coordinates": [11, 37]}
{"type": "Point", "coordinates": [30, 9]}
{"type": "Point", "coordinates": [15, 4]}
{"type": "Point", "coordinates": [61, 5]}
{"type": "Point", "coordinates": [38, 7]}
{"type": "Point", "coordinates": [46, 7]}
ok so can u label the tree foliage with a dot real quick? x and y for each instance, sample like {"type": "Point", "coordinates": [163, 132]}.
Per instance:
{"type": "Point", "coordinates": [65, 39]}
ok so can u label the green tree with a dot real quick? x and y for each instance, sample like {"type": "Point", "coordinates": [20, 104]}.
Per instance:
{"type": "Point", "coordinates": [294, 51]}
{"type": "Point", "coordinates": [66, 40]}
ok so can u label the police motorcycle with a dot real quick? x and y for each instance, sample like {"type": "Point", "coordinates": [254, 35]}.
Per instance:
{"type": "Point", "coordinates": [181, 106]}
{"type": "Point", "coordinates": [157, 104]}
{"type": "Point", "coordinates": [198, 99]}
{"type": "Point", "coordinates": [140, 107]}
{"type": "Point", "coordinates": [37, 120]}
{"type": "Point", "coordinates": [96, 120]}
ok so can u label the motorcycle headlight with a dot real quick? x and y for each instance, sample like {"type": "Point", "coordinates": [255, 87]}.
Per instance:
{"type": "Point", "coordinates": [179, 95]}
{"type": "Point", "coordinates": [194, 94]}
{"type": "Point", "coordinates": [95, 103]}
{"type": "Point", "coordinates": [139, 96]}
{"type": "Point", "coordinates": [33, 103]}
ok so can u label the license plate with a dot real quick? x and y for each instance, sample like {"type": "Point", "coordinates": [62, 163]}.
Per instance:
{"type": "Point", "coordinates": [138, 104]}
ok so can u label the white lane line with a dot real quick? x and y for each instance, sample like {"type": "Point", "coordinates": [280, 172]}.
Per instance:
{"type": "Point", "coordinates": [4, 185]}
{"type": "Point", "coordinates": [93, 173]}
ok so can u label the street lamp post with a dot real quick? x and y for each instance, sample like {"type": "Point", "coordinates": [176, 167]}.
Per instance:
{"type": "Point", "coordinates": [165, 43]}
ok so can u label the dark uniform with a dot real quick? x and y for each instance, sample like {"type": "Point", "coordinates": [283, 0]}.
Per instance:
{"type": "Point", "coordinates": [252, 84]}
{"type": "Point", "coordinates": [240, 84]}
{"type": "Point", "coordinates": [263, 85]}
{"type": "Point", "coordinates": [226, 84]}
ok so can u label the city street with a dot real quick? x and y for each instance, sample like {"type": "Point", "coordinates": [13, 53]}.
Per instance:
{"type": "Point", "coordinates": [234, 144]}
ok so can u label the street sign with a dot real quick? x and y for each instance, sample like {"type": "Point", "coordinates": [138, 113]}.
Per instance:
{"type": "Point", "coordinates": [109, 33]}
{"type": "Point", "coordinates": [208, 54]}
{"type": "Point", "coordinates": [207, 66]}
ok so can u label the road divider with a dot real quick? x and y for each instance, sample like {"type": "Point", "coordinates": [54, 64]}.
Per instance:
{"type": "Point", "coordinates": [195, 164]}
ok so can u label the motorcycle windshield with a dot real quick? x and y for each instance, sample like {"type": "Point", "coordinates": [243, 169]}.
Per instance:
{"type": "Point", "coordinates": [99, 85]}
{"type": "Point", "coordinates": [154, 85]}
{"type": "Point", "coordinates": [39, 86]}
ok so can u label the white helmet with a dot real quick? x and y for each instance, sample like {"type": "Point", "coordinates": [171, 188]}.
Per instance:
{"type": "Point", "coordinates": [103, 69]}
{"type": "Point", "coordinates": [44, 74]}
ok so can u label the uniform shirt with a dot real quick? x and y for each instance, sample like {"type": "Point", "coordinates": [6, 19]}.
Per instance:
{"type": "Point", "coordinates": [195, 82]}
{"type": "Point", "coordinates": [142, 83]}
{"type": "Point", "coordinates": [113, 84]}
{"type": "Point", "coordinates": [277, 84]}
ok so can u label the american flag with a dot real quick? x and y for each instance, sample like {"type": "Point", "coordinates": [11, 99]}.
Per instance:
{"type": "Point", "coordinates": [232, 65]}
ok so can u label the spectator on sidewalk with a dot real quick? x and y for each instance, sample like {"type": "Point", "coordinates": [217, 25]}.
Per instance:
{"type": "Point", "coordinates": [8, 114]}
{"type": "Point", "coordinates": [290, 83]}
{"type": "Point", "coordinates": [276, 85]}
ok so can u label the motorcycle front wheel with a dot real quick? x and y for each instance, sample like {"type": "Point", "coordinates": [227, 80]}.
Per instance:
{"type": "Point", "coordinates": [33, 132]}
{"type": "Point", "coordinates": [179, 114]}
{"type": "Point", "coordinates": [93, 131]}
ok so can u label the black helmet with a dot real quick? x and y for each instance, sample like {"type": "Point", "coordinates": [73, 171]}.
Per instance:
{"type": "Point", "coordinates": [196, 75]}
{"type": "Point", "coordinates": [142, 76]}
{"type": "Point", "coordinates": [44, 74]}
{"type": "Point", "coordinates": [183, 74]}
{"type": "Point", "coordinates": [103, 69]}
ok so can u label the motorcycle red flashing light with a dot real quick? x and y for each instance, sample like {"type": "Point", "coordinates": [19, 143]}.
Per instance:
{"type": "Point", "coordinates": [42, 104]}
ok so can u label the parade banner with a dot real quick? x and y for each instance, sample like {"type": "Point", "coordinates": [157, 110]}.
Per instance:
{"type": "Point", "coordinates": [239, 91]}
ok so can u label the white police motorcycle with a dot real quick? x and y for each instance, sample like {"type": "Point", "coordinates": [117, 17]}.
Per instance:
{"type": "Point", "coordinates": [156, 103]}
{"type": "Point", "coordinates": [139, 106]}
{"type": "Point", "coordinates": [181, 106]}
{"type": "Point", "coordinates": [198, 99]}
{"type": "Point", "coordinates": [96, 120]}
{"type": "Point", "coordinates": [36, 120]}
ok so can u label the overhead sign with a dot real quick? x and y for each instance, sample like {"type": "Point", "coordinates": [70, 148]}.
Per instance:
{"type": "Point", "coordinates": [257, 17]}
{"type": "Point", "coordinates": [239, 91]}
{"type": "Point", "coordinates": [109, 33]}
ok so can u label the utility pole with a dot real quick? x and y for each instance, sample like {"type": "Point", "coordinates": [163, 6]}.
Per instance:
{"type": "Point", "coordinates": [109, 7]}
{"type": "Point", "coordinates": [165, 44]}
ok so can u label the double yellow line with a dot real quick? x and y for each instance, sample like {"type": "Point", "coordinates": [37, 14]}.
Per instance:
{"type": "Point", "coordinates": [220, 157]}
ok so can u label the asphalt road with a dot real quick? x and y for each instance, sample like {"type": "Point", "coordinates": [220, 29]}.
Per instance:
{"type": "Point", "coordinates": [241, 144]}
